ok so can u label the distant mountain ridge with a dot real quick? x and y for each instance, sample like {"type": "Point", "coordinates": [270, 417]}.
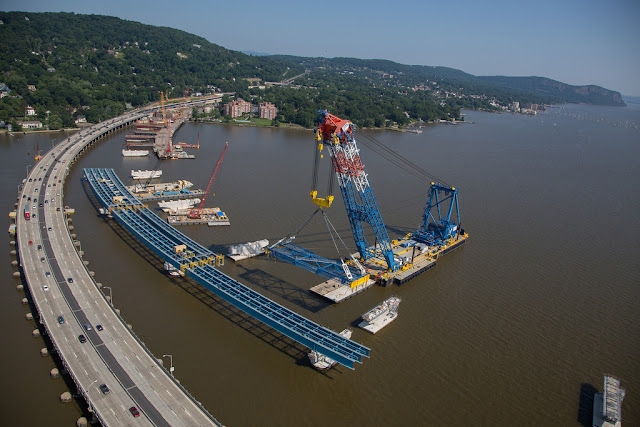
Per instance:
{"type": "Point", "coordinates": [65, 65]}
{"type": "Point", "coordinates": [589, 94]}
{"type": "Point", "coordinates": [554, 91]}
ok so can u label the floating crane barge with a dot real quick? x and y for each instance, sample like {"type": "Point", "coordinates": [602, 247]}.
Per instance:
{"type": "Point", "coordinates": [387, 261]}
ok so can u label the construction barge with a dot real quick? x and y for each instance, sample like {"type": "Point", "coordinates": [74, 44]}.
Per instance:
{"type": "Point", "coordinates": [416, 258]}
{"type": "Point", "coordinates": [607, 406]}
{"type": "Point", "coordinates": [177, 190]}
{"type": "Point", "coordinates": [210, 216]}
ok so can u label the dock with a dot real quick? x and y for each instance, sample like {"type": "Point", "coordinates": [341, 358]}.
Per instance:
{"type": "Point", "coordinates": [415, 262]}
{"type": "Point", "coordinates": [154, 197]}
{"type": "Point", "coordinates": [152, 133]}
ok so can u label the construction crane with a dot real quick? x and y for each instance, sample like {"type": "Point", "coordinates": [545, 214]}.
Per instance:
{"type": "Point", "coordinates": [438, 230]}
{"type": "Point", "coordinates": [36, 150]}
{"type": "Point", "coordinates": [361, 205]}
{"type": "Point", "coordinates": [195, 212]}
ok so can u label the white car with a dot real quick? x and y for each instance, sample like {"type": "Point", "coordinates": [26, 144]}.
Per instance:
{"type": "Point", "coordinates": [45, 287]}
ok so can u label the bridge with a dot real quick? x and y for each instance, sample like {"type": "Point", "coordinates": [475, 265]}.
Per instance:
{"type": "Point", "coordinates": [198, 263]}
{"type": "Point", "coordinates": [69, 303]}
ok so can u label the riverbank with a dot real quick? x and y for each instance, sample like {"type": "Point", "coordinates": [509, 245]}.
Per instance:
{"type": "Point", "coordinates": [27, 132]}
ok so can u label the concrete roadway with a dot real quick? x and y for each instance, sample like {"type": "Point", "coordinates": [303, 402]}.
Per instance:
{"type": "Point", "coordinates": [113, 356]}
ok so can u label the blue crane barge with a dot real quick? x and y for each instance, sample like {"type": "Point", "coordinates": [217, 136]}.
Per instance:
{"type": "Point", "coordinates": [386, 261]}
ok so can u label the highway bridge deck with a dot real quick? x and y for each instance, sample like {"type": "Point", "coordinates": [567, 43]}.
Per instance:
{"type": "Point", "coordinates": [67, 298]}
{"type": "Point", "coordinates": [197, 262]}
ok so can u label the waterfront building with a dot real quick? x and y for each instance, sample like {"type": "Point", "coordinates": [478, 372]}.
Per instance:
{"type": "Point", "coordinates": [267, 110]}
{"type": "Point", "coordinates": [236, 108]}
{"type": "Point", "coordinates": [30, 124]}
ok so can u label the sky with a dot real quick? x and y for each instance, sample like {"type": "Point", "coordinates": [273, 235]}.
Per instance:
{"type": "Point", "coordinates": [577, 42]}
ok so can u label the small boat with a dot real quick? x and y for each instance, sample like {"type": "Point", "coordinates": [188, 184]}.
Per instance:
{"type": "Point", "coordinates": [134, 153]}
{"type": "Point", "coordinates": [322, 362]}
{"type": "Point", "coordinates": [175, 206]}
{"type": "Point", "coordinates": [145, 174]}
{"type": "Point", "coordinates": [381, 315]}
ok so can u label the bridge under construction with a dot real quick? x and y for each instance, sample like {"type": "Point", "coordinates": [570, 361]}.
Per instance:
{"type": "Point", "coordinates": [199, 264]}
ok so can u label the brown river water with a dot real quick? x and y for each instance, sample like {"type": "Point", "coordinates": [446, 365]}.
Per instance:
{"type": "Point", "coordinates": [515, 328]}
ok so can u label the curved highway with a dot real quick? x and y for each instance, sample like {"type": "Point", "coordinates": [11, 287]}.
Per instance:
{"type": "Point", "coordinates": [70, 305]}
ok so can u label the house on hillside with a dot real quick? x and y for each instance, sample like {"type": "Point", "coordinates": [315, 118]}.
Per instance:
{"type": "Point", "coordinates": [30, 124]}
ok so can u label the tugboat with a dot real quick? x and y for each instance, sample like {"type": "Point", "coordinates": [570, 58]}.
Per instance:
{"type": "Point", "coordinates": [381, 315]}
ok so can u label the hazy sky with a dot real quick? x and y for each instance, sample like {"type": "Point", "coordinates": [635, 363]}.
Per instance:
{"type": "Point", "coordinates": [573, 41]}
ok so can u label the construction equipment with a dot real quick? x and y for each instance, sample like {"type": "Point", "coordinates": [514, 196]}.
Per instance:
{"type": "Point", "coordinates": [438, 232]}
{"type": "Point", "coordinates": [36, 150]}
{"type": "Point", "coordinates": [195, 212]}
{"type": "Point", "coordinates": [437, 227]}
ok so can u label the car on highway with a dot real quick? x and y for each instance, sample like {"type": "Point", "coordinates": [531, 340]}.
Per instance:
{"type": "Point", "coordinates": [45, 287]}
{"type": "Point", "coordinates": [134, 411]}
{"type": "Point", "coordinates": [70, 280]}
{"type": "Point", "coordinates": [104, 389]}
{"type": "Point", "coordinates": [82, 338]}
{"type": "Point", "coordinates": [48, 274]}
{"type": "Point", "coordinates": [30, 242]}
{"type": "Point", "coordinates": [39, 247]}
{"type": "Point", "coordinates": [49, 228]}
{"type": "Point", "coordinates": [87, 327]}
{"type": "Point", "coordinates": [58, 209]}
{"type": "Point", "coordinates": [42, 259]}
{"type": "Point", "coordinates": [99, 327]}
{"type": "Point", "coordinates": [60, 320]}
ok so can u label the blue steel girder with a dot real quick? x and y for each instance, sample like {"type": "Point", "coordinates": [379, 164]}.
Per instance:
{"type": "Point", "coordinates": [329, 268]}
{"type": "Point", "coordinates": [279, 318]}
{"type": "Point", "coordinates": [161, 238]}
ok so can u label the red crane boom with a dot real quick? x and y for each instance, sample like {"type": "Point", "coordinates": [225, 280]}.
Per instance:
{"type": "Point", "coordinates": [195, 213]}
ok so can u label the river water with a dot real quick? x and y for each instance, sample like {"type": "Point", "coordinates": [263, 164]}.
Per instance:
{"type": "Point", "coordinates": [515, 328]}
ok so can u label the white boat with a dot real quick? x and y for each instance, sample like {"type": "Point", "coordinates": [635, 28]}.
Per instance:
{"type": "Point", "coordinates": [175, 206]}
{"type": "Point", "coordinates": [181, 184]}
{"type": "Point", "coordinates": [145, 174]}
{"type": "Point", "coordinates": [134, 153]}
{"type": "Point", "coordinates": [172, 270]}
{"type": "Point", "coordinates": [381, 315]}
{"type": "Point", "coordinates": [247, 250]}
{"type": "Point", "coordinates": [322, 362]}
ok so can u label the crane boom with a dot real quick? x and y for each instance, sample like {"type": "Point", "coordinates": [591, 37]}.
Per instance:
{"type": "Point", "coordinates": [360, 203]}
{"type": "Point", "coordinates": [195, 213]}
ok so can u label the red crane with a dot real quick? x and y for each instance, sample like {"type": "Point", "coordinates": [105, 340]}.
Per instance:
{"type": "Point", "coordinates": [195, 212]}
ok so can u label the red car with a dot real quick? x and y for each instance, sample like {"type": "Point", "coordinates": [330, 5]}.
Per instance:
{"type": "Point", "coordinates": [30, 242]}
{"type": "Point", "coordinates": [134, 412]}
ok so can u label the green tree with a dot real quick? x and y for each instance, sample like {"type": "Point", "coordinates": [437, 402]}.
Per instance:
{"type": "Point", "coordinates": [55, 122]}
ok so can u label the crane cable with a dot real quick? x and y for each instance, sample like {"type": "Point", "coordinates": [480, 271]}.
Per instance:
{"type": "Point", "coordinates": [398, 160]}
{"type": "Point", "coordinates": [330, 227]}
